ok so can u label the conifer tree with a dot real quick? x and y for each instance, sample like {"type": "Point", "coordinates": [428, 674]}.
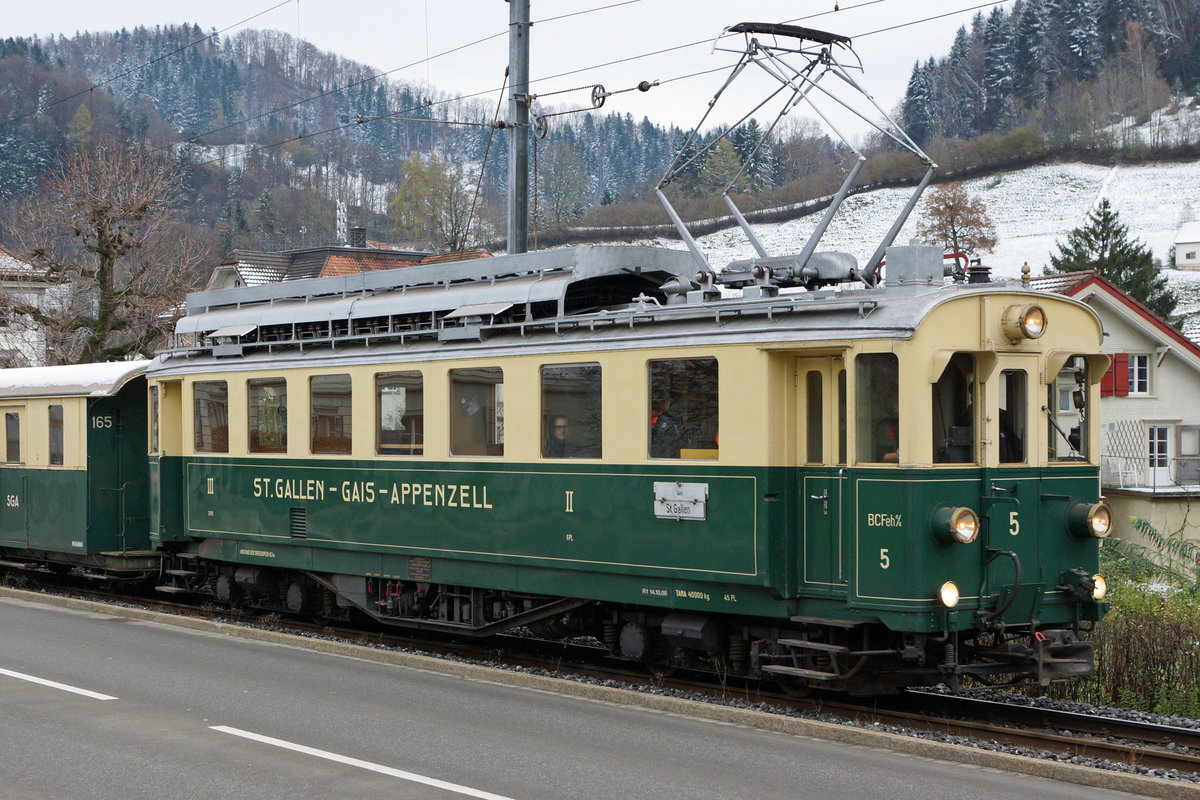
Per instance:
{"type": "Point", "coordinates": [1103, 245]}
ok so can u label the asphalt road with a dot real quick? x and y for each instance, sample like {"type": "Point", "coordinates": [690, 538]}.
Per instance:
{"type": "Point", "coordinates": [175, 713]}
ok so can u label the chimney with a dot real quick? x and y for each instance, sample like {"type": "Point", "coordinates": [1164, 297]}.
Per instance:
{"type": "Point", "coordinates": [358, 237]}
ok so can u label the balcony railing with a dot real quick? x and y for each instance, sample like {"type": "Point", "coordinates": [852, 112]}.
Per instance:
{"type": "Point", "coordinates": [1167, 475]}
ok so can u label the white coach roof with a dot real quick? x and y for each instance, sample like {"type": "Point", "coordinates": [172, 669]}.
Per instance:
{"type": "Point", "coordinates": [93, 380]}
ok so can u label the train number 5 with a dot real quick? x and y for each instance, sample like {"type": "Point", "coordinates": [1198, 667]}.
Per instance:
{"type": "Point", "coordinates": [884, 561]}
{"type": "Point", "coordinates": [1014, 524]}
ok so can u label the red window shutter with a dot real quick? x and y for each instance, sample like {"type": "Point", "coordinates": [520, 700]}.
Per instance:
{"type": "Point", "coordinates": [1106, 381]}
{"type": "Point", "coordinates": [1121, 374]}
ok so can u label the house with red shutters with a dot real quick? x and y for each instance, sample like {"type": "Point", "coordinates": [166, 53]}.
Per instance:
{"type": "Point", "coordinates": [1149, 406]}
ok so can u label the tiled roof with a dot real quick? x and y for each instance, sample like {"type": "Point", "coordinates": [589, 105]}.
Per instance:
{"type": "Point", "coordinates": [258, 267]}
{"type": "Point", "coordinates": [1061, 283]}
{"type": "Point", "coordinates": [448, 258]}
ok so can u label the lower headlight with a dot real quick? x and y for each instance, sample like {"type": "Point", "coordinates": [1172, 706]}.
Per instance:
{"type": "Point", "coordinates": [1090, 519]}
{"type": "Point", "coordinates": [948, 594]}
{"type": "Point", "coordinates": [1099, 587]}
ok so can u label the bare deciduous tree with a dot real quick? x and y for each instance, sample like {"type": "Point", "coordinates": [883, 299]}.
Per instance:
{"type": "Point", "coordinates": [957, 221]}
{"type": "Point", "coordinates": [104, 226]}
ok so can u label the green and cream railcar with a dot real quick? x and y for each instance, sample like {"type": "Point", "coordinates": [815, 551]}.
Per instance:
{"type": "Point", "coordinates": [857, 488]}
{"type": "Point", "coordinates": [73, 476]}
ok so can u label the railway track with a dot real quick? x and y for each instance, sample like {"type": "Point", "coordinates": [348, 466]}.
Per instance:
{"type": "Point", "coordinates": [1039, 731]}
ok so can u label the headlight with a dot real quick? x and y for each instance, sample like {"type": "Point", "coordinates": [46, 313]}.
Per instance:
{"type": "Point", "coordinates": [1090, 519]}
{"type": "Point", "coordinates": [955, 525]}
{"type": "Point", "coordinates": [948, 594]}
{"type": "Point", "coordinates": [1099, 587]}
{"type": "Point", "coordinates": [1023, 322]}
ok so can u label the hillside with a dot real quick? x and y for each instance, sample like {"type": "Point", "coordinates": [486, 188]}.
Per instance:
{"type": "Point", "coordinates": [1032, 208]}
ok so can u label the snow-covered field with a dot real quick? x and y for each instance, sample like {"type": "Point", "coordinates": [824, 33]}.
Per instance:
{"type": "Point", "coordinates": [1032, 209]}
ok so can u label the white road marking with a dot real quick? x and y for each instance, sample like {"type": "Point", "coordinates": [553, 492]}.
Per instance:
{"type": "Point", "coordinates": [354, 762]}
{"type": "Point", "coordinates": [53, 685]}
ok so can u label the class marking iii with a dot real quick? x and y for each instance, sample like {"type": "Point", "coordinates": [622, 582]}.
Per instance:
{"type": "Point", "coordinates": [466, 791]}
{"type": "Point", "coordinates": [55, 685]}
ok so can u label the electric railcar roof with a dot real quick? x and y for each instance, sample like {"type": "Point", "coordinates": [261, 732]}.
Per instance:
{"type": "Point", "coordinates": [425, 309]}
{"type": "Point", "coordinates": [91, 380]}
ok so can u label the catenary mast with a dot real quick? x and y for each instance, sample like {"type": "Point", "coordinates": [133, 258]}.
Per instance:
{"type": "Point", "coordinates": [518, 126]}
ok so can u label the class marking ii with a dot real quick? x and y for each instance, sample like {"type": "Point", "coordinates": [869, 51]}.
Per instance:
{"type": "Point", "coordinates": [55, 685]}
{"type": "Point", "coordinates": [466, 791]}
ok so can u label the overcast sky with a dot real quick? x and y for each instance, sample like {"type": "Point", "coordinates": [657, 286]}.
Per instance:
{"type": "Point", "coordinates": [393, 35]}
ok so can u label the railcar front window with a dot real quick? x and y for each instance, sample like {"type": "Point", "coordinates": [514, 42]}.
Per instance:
{"type": "Point", "coordinates": [877, 407]}
{"type": "Point", "coordinates": [477, 411]}
{"type": "Point", "coordinates": [816, 415]}
{"type": "Point", "coordinates": [571, 411]}
{"type": "Point", "coordinates": [684, 408]}
{"type": "Point", "coordinates": [399, 414]}
{"type": "Point", "coordinates": [1068, 430]}
{"type": "Point", "coordinates": [268, 415]}
{"type": "Point", "coordinates": [56, 435]}
{"type": "Point", "coordinates": [1013, 413]}
{"type": "Point", "coordinates": [329, 413]}
{"type": "Point", "coordinates": [954, 412]}
{"type": "Point", "coordinates": [841, 388]}
{"type": "Point", "coordinates": [210, 416]}
{"type": "Point", "coordinates": [12, 430]}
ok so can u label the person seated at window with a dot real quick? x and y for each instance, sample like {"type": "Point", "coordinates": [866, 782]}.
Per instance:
{"type": "Point", "coordinates": [887, 440]}
{"type": "Point", "coordinates": [556, 442]}
{"type": "Point", "coordinates": [667, 435]}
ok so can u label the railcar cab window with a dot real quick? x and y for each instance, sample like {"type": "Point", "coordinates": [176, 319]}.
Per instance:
{"type": "Point", "coordinates": [477, 411]}
{"type": "Point", "coordinates": [1068, 430]}
{"type": "Point", "coordinates": [12, 435]}
{"type": "Point", "coordinates": [683, 408]}
{"type": "Point", "coordinates": [954, 412]}
{"type": "Point", "coordinates": [1014, 423]}
{"type": "Point", "coordinates": [210, 416]}
{"type": "Point", "coordinates": [399, 414]}
{"type": "Point", "coordinates": [267, 398]}
{"type": "Point", "coordinates": [56, 435]}
{"type": "Point", "coordinates": [877, 407]}
{"type": "Point", "coordinates": [329, 413]}
{"type": "Point", "coordinates": [571, 411]}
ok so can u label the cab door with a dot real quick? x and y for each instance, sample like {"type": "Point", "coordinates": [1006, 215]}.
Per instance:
{"type": "Point", "coordinates": [1012, 484]}
{"type": "Point", "coordinates": [821, 455]}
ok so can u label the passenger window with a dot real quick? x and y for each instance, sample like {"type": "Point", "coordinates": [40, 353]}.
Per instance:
{"type": "Point", "coordinates": [477, 412]}
{"type": "Point", "coordinates": [267, 398]}
{"type": "Point", "coordinates": [210, 414]}
{"type": "Point", "coordinates": [683, 408]}
{"type": "Point", "coordinates": [399, 414]}
{"type": "Point", "coordinates": [877, 407]}
{"type": "Point", "coordinates": [56, 436]}
{"type": "Point", "coordinates": [571, 411]}
{"type": "Point", "coordinates": [954, 412]}
{"type": "Point", "coordinates": [329, 399]}
{"type": "Point", "coordinates": [815, 410]}
{"type": "Point", "coordinates": [12, 430]}
{"type": "Point", "coordinates": [1068, 429]}
{"type": "Point", "coordinates": [1013, 422]}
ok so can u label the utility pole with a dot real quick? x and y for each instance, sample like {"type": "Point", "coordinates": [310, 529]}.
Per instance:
{"type": "Point", "coordinates": [518, 126]}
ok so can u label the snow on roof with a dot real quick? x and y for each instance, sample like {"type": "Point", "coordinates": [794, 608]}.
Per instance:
{"type": "Point", "coordinates": [1189, 233]}
{"type": "Point", "coordinates": [94, 380]}
{"type": "Point", "coordinates": [11, 266]}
